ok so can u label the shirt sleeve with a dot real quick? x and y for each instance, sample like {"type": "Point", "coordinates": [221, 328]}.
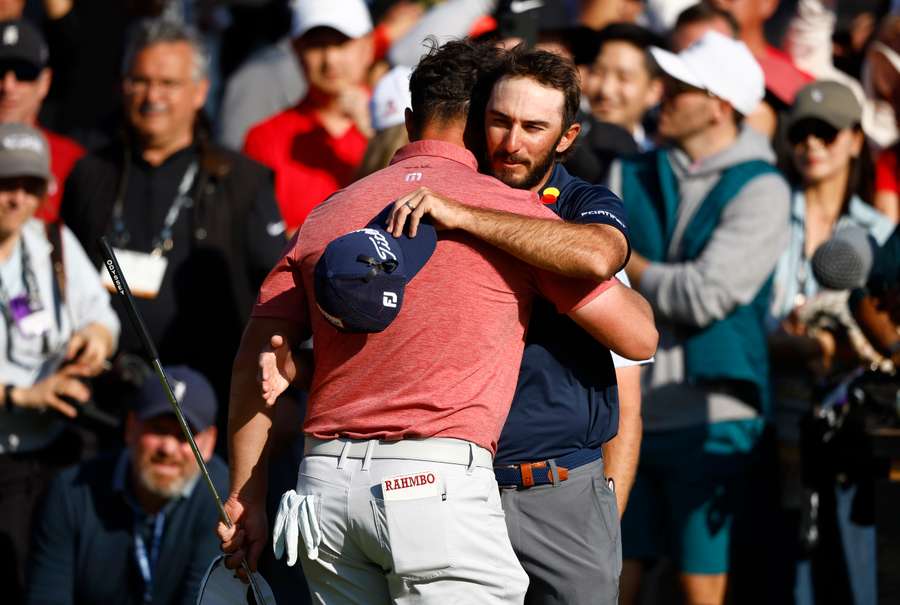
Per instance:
{"type": "Point", "coordinates": [596, 204]}
{"type": "Point", "coordinates": [886, 171]}
{"type": "Point", "coordinates": [283, 295]}
{"type": "Point", "coordinates": [51, 572]}
{"type": "Point", "coordinates": [569, 294]}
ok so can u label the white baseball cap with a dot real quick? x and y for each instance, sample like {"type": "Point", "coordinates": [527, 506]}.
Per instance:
{"type": "Point", "coordinates": [390, 98]}
{"type": "Point", "coordinates": [350, 17]}
{"type": "Point", "coordinates": [722, 65]}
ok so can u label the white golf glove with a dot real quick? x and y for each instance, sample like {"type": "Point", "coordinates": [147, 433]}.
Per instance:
{"type": "Point", "coordinates": [296, 517]}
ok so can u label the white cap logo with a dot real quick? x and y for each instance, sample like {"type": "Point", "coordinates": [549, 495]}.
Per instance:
{"type": "Point", "coordinates": [22, 142]}
{"type": "Point", "coordinates": [178, 389]}
{"type": "Point", "coordinates": [816, 95]}
{"type": "Point", "coordinates": [10, 35]}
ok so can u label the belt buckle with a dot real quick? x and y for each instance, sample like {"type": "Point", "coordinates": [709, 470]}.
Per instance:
{"type": "Point", "coordinates": [528, 469]}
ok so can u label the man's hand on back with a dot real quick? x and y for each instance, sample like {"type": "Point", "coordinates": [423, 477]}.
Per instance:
{"type": "Point", "coordinates": [409, 209]}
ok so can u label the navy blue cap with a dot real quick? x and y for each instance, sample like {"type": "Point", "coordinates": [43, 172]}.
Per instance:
{"type": "Point", "coordinates": [191, 389]}
{"type": "Point", "coordinates": [361, 277]}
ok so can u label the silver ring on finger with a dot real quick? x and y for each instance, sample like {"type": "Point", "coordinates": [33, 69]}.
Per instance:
{"type": "Point", "coordinates": [410, 206]}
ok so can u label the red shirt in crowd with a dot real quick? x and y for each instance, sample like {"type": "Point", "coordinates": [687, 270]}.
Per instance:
{"type": "Point", "coordinates": [309, 163]}
{"type": "Point", "coordinates": [64, 152]}
{"type": "Point", "coordinates": [886, 171]}
{"type": "Point", "coordinates": [783, 78]}
{"type": "Point", "coordinates": [448, 364]}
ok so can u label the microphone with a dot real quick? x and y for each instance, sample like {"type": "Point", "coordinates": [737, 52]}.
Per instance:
{"type": "Point", "coordinates": [844, 261]}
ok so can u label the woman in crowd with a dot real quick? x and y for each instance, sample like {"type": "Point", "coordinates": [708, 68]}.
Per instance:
{"type": "Point", "coordinates": [57, 330]}
{"type": "Point", "coordinates": [810, 330]}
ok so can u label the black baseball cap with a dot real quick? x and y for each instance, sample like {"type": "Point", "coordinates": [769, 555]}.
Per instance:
{"type": "Point", "coordinates": [361, 277]}
{"type": "Point", "coordinates": [21, 43]}
{"type": "Point", "coordinates": [192, 390]}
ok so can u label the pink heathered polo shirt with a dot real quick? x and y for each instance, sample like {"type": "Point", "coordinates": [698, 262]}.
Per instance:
{"type": "Point", "coordinates": [447, 366]}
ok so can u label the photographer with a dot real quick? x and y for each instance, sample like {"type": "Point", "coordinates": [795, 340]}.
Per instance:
{"type": "Point", "coordinates": [814, 343]}
{"type": "Point", "coordinates": [57, 330]}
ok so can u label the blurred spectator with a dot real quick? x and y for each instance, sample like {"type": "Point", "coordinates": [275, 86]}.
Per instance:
{"type": "Point", "coordinates": [809, 41]}
{"type": "Point", "coordinates": [196, 226]}
{"type": "Point", "coordinates": [25, 83]}
{"type": "Point", "coordinates": [877, 306]}
{"type": "Point", "coordinates": [57, 330]}
{"type": "Point", "coordinates": [624, 82]}
{"type": "Point", "coordinates": [708, 217]}
{"type": "Point", "coordinates": [881, 81]}
{"type": "Point", "coordinates": [597, 14]}
{"type": "Point", "coordinates": [783, 79]}
{"type": "Point", "coordinates": [449, 20]}
{"type": "Point", "coordinates": [271, 80]}
{"type": "Point", "coordinates": [661, 15]}
{"type": "Point", "coordinates": [810, 338]}
{"type": "Point", "coordinates": [390, 99]}
{"type": "Point", "coordinates": [135, 526]}
{"type": "Point", "coordinates": [268, 82]}
{"type": "Point", "coordinates": [316, 147]}
{"type": "Point", "coordinates": [696, 20]}
{"type": "Point", "coordinates": [887, 187]}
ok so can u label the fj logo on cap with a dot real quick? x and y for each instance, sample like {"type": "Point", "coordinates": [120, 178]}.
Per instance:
{"type": "Point", "coordinates": [389, 299]}
{"type": "Point", "coordinates": [10, 35]}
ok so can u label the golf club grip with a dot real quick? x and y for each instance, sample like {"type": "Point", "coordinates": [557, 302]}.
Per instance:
{"type": "Point", "coordinates": [118, 280]}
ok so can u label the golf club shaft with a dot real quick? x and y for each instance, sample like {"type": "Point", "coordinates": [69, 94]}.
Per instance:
{"type": "Point", "coordinates": [121, 285]}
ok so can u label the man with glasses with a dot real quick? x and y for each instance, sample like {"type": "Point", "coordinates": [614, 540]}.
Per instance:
{"type": "Point", "coordinates": [709, 218]}
{"type": "Point", "coordinates": [196, 226]}
{"type": "Point", "coordinates": [24, 84]}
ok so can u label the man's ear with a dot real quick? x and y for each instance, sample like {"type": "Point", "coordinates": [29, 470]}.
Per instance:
{"type": "Point", "coordinates": [206, 441]}
{"type": "Point", "coordinates": [568, 137]}
{"type": "Point", "coordinates": [654, 93]}
{"type": "Point", "coordinates": [45, 78]}
{"type": "Point", "coordinates": [410, 123]}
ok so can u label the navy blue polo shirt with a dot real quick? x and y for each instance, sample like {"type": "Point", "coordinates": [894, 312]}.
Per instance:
{"type": "Point", "coordinates": [566, 398]}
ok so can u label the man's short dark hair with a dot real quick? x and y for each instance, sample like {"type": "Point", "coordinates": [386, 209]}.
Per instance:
{"type": "Point", "coordinates": [703, 12]}
{"type": "Point", "coordinates": [445, 80]}
{"type": "Point", "coordinates": [548, 69]}
{"type": "Point", "coordinates": [639, 37]}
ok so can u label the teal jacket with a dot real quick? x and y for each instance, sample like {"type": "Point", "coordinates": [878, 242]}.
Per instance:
{"type": "Point", "coordinates": [731, 350]}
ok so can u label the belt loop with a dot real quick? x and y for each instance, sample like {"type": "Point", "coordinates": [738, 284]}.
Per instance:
{"type": "Point", "coordinates": [471, 466]}
{"type": "Point", "coordinates": [554, 472]}
{"type": "Point", "coordinates": [345, 451]}
{"type": "Point", "coordinates": [370, 449]}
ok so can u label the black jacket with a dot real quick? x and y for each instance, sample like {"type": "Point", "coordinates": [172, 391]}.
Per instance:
{"type": "Point", "coordinates": [236, 238]}
{"type": "Point", "coordinates": [83, 545]}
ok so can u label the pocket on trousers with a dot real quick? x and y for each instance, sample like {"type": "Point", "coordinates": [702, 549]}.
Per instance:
{"type": "Point", "coordinates": [417, 531]}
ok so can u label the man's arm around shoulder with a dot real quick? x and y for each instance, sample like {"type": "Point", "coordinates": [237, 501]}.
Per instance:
{"type": "Point", "coordinates": [621, 320]}
{"type": "Point", "coordinates": [588, 251]}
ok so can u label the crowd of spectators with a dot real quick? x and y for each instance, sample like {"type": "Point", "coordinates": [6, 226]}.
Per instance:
{"type": "Point", "coordinates": [197, 135]}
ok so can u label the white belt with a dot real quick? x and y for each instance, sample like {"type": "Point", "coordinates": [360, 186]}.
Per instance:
{"type": "Point", "coordinates": [434, 449]}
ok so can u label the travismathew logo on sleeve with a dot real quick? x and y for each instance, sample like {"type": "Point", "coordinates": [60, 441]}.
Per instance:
{"type": "Point", "coordinates": [411, 487]}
